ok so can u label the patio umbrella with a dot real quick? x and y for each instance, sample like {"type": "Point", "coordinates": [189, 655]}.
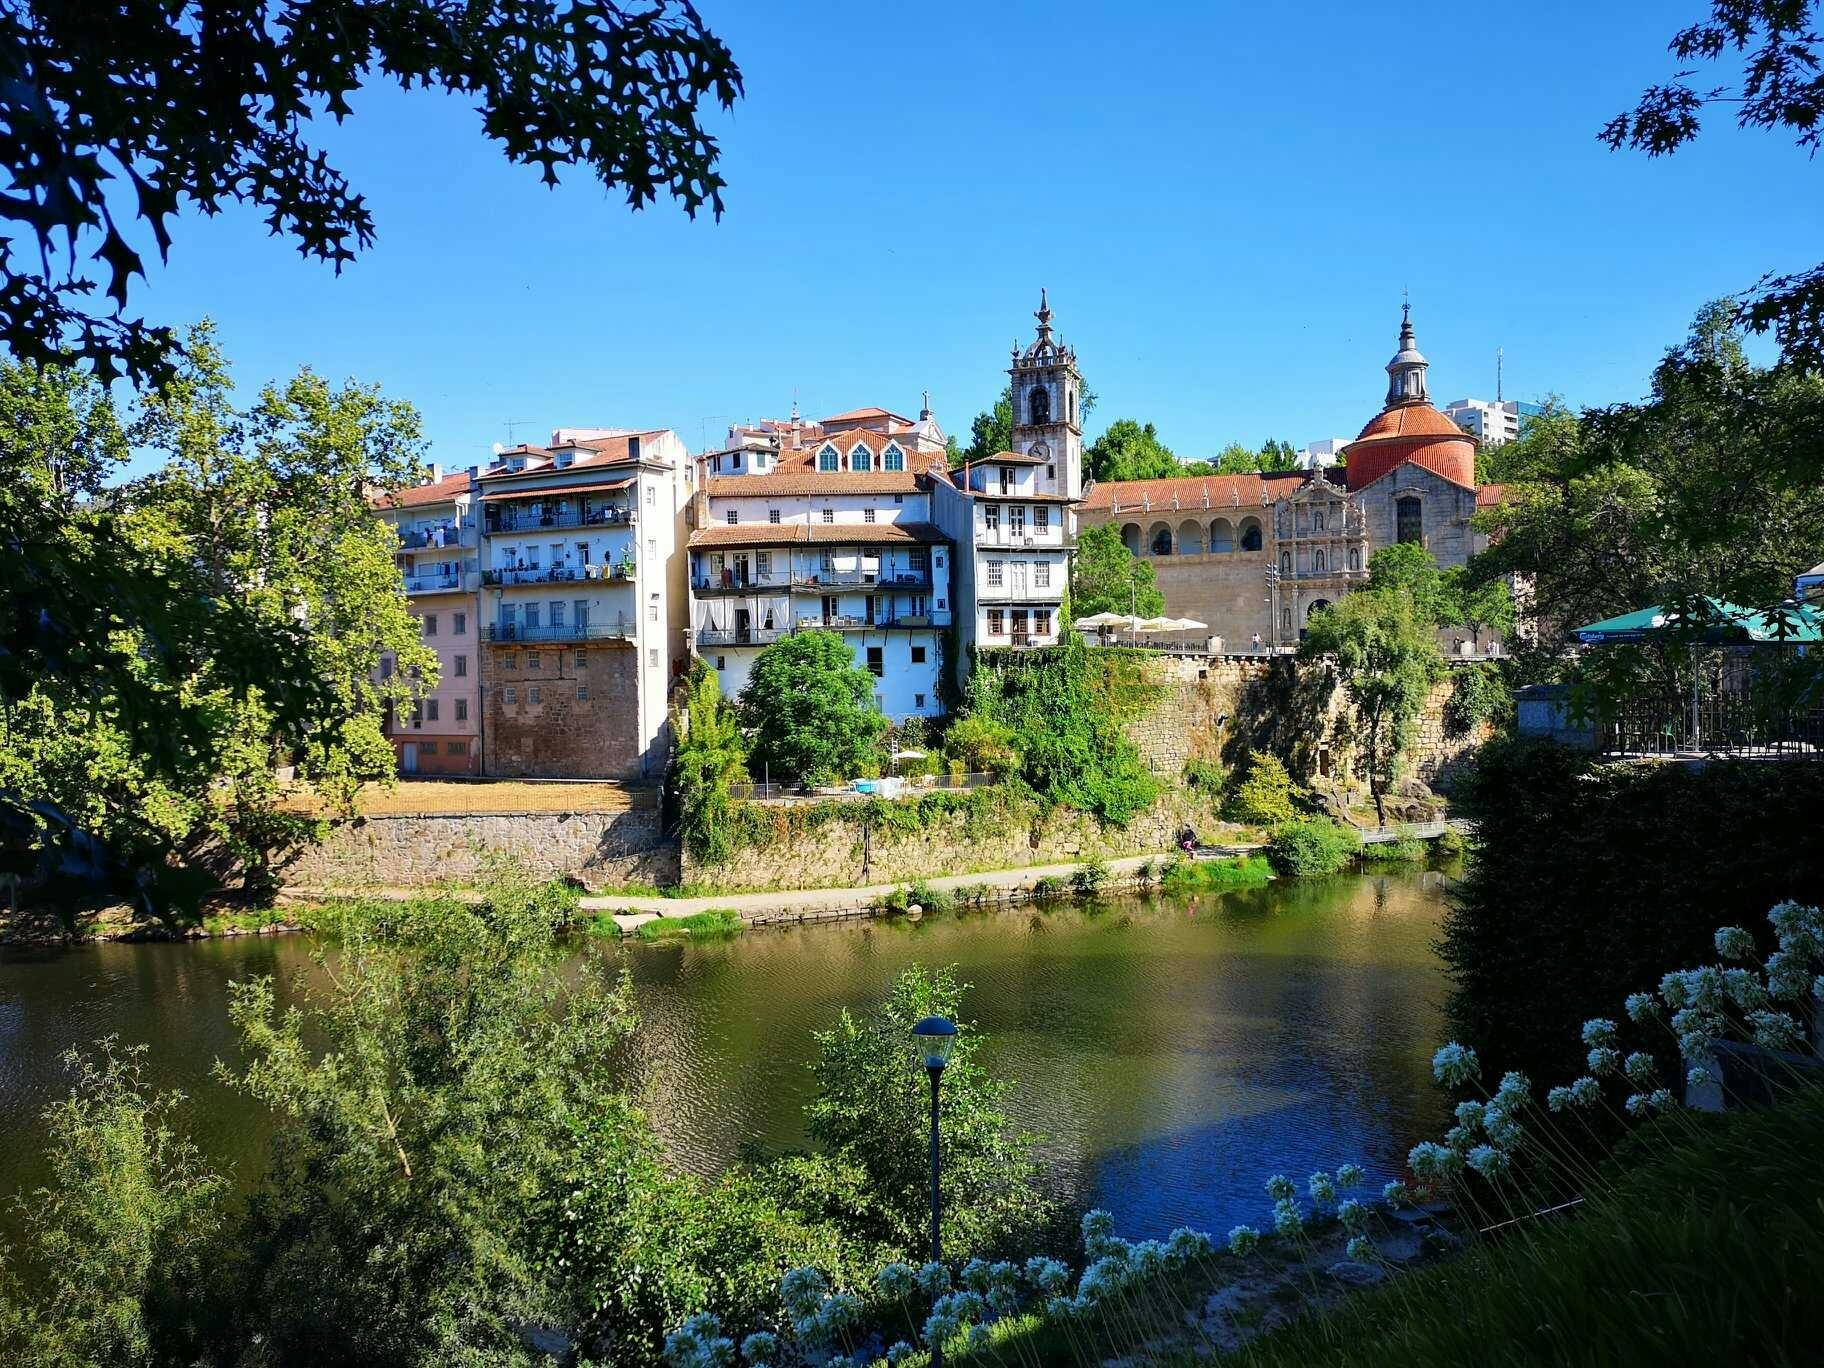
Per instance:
{"type": "Point", "coordinates": [1096, 621]}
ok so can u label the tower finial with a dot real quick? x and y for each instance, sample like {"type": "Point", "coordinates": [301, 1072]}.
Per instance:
{"type": "Point", "coordinates": [1044, 316]}
{"type": "Point", "coordinates": [1406, 372]}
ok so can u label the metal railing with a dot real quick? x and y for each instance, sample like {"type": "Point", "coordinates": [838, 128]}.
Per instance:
{"type": "Point", "coordinates": [558, 574]}
{"type": "Point", "coordinates": [765, 636]}
{"type": "Point", "coordinates": [740, 636]}
{"type": "Point", "coordinates": [425, 584]}
{"type": "Point", "coordinates": [512, 632]}
{"type": "Point", "coordinates": [1715, 726]}
{"type": "Point", "coordinates": [732, 583]}
{"type": "Point", "coordinates": [914, 786]}
{"type": "Point", "coordinates": [499, 520]}
{"type": "Point", "coordinates": [416, 539]}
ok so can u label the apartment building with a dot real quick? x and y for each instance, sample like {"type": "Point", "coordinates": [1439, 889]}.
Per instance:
{"type": "Point", "coordinates": [825, 525]}
{"type": "Point", "coordinates": [1012, 516]}
{"type": "Point", "coordinates": [436, 526]}
{"type": "Point", "coordinates": [582, 602]}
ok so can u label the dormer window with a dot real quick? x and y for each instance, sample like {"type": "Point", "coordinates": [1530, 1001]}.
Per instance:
{"type": "Point", "coordinates": [892, 458]}
{"type": "Point", "coordinates": [827, 458]}
{"type": "Point", "coordinates": [860, 458]}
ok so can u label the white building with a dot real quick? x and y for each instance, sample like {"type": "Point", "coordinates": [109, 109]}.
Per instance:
{"type": "Point", "coordinates": [1493, 422]}
{"type": "Point", "coordinates": [1326, 451]}
{"type": "Point", "coordinates": [582, 599]}
{"type": "Point", "coordinates": [825, 526]}
{"type": "Point", "coordinates": [1012, 516]}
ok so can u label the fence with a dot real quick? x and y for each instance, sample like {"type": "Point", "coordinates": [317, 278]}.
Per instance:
{"type": "Point", "coordinates": [913, 787]}
{"type": "Point", "coordinates": [1714, 726]}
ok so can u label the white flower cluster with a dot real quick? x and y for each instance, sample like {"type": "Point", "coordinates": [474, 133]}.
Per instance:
{"type": "Point", "coordinates": [1455, 1065]}
{"type": "Point", "coordinates": [699, 1343]}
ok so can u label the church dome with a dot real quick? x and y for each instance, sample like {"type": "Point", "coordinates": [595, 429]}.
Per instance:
{"type": "Point", "coordinates": [1409, 429]}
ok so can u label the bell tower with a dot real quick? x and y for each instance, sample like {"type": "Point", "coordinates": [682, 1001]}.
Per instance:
{"type": "Point", "coordinates": [1047, 423]}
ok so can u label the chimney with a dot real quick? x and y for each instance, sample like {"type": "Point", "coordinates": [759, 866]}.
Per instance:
{"type": "Point", "coordinates": [436, 472]}
{"type": "Point", "coordinates": [474, 472]}
{"type": "Point", "coordinates": [633, 448]}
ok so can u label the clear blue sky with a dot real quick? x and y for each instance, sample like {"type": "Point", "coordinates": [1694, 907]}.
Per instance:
{"type": "Point", "coordinates": [1224, 200]}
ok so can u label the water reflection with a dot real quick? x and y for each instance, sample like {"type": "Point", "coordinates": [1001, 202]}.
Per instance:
{"type": "Point", "coordinates": [1173, 1051]}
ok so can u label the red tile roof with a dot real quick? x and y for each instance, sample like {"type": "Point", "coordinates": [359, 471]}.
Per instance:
{"type": "Point", "coordinates": [1195, 491]}
{"type": "Point", "coordinates": [418, 496]}
{"type": "Point", "coordinates": [825, 534]}
{"type": "Point", "coordinates": [1439, 459]}
{"type": "Point", "coordinates": [862, 414]}
{"type": "Point", "coordinates": [1488, 495]}
{"type": "Point", "coordinates": [1410, 420]}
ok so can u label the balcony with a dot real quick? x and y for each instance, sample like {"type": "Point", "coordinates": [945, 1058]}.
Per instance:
{"type": "Point", "coordinates": [766, 636]}
{"type": "Point", "coordinates": [499, 520]}
{"type": "Point", "coordinates": [741, 636]}
{"type": "Point", "coordinates": [817, 582]}
{"type": "Point", "coordinates": [512, 633]}
{"type": "Point", "coordinates": [437, 536]}
{"type": "Point", "coordinates": [432, 584]}
{"type": "Point", "coordinates": [731, 583]}
{"type": "Point", "coordinates": [558, 574]}
{"type": "Point", "coordinates": [1052, 539]}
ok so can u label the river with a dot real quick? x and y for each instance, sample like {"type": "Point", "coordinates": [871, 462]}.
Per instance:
{"type": "Point", "coordinates": [1172, 1052]}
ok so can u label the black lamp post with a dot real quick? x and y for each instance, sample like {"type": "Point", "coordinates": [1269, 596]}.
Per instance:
{"type": "Point", "coordinates": [935, 1036]}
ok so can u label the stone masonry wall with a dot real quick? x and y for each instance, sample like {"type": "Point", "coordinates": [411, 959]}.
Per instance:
{"type": "Point", "coordinates": [403, 852]}
{"type": "Point", "coordinates": [568, 712]}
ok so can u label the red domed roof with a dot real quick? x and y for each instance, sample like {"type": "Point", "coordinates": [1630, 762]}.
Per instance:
{"type": "Point", "coordinates": [1410, 420]}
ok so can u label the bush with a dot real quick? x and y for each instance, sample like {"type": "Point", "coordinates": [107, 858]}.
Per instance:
{"type": "Point", "coordinates": [1449, 844]}
{"type": "Point", "coordinates": [1405, 850]}
{"type": "Point", "coordinates": [1090, 876]}
{"type": "Point", "coordinates": [1478, 695]}
{"type": "Point", "coordinates": [1212, 876]}
{"type": "Point", "coordinates": [1268, 796]}
{"type": "Point", "coordinates": [980, 745]}
{"type": "Point", "coordinates": [1205, 777]}
{"type": "Point", "coordinates": [717, 923]}
{"type": "Point", "coordinates": [1301, 849]}
{"type": "Point", "coordinates": [1591, 880]}
{"type": "Point", "coordinates": [1049, 888]}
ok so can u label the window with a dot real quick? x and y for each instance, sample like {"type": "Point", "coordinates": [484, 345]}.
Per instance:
{"type": "Point", "coordinates": [827, 563]}
{"type": "Point", "coordinates": [996, 625]}
{"type": "Point", "coordinates": [918, 658]}
{"type": "Point", "coordinates": [651, 496]}
{"type": "Point", "coordinates": [557, 614]}
{"type": "Point", "coordinates": [772, 515]}
{"type": "Point", "coordinates": [512, 660]}
{"type": "Point", "coordinates": [652, 657]}
{"type": "Point", "coordinates": [1016, 521]}
{"type": "Point", "coordinates": [1250, 536]}
{"type": "Point", "coordinates": [534, 694]}
{"type": "Point", "coordinates": [462, 666]}
{"type": "Point", "coordinates": [860, 458]}
{"type": "Point", "coordinates": [652, 548]}
{"type": "Point", "coordinates": [827, 458]}
{"type": "Point", "coordinates": [417, 714]}
{"type": "Point", "coordinates": [582, 693]}
{"type": "Point", "coordinates": [459, 624]}
{"type": "Point", "coordinates": [899, 498]}
{"type": "Point", "coordinates": [733, 517]}
{"type": "Point", "coordinates": [1051, 471]}
{"type": "Point", "coordinates": [991, 517]}
{"type": "Point", "coordinates": [867, 515]}
{"type": "Point", "coordinates": [582, 553]}
{"type": "Point", "coordinates": [534, 659]}
{"type": "Point", "coordinates": [1409, 519]}
{"type": "Point", "coordinates": [877, 665]}
{"type": "Point", "coordinates": [531, 612]}
{"type": "Point", "coordinates": [1041, 520]}
{"type": "Point", "coordinates": [430, 624]}
{"type": "Point", "coordinates": [582, 660]}
{"type": "Point", "coordinates": [652, 612]}
{"type": "Point", "coordinates": [580, 617]}
{"type": "Point", "coordinates": [995, 574]}
{"type": "Point", "coordinates": [918, 700]}
{"type": "Point", "coordinates": [1041, 622]}
{"type": "Point", "coordinates": [1038, 405]}
{"type": "Point", "coordinates": [1041, 574]}
{"type": "Point", "coordinates": [462, 710]}
{"type": "Point", "coordinates": [763, 562]}
{"type": "Point", "coordinates": [829, 515]}
{"type": "Point", "coordinates": [509, 694]}
{"type": "Point", "coordinates": [892, 458]}
{"type": "Point", "coordinates": [430, 710]}
{"type": "Point", "coordinates": [456, 747]}
{"type": "Point", "coordinates": [427, 748]}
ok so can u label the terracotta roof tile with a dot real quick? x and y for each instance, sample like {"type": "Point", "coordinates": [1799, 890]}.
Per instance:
{"type": "Point", "coordinates": [1488, 495]}
{"type": "Point", "coordinates": [1191, 491]}
{"type": "Point", "coordinates": [799, 481]}
{"type": "Point", "coordinates": [863, 414]}
{"type": "Point", "coordinates": [1410, 420]}
{"type": "Point", "coordinates": [418, 496]}
{"type": "Point", "coordinates": [1444, 464]}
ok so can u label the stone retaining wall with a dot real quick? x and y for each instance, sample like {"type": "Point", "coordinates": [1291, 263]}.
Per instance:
{"type": "Point", "coordinates": [403, 852]}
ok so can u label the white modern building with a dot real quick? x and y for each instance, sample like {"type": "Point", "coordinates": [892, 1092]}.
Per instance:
{"type": "Point", "coordinates": [1012, 516]}
{"type": "Point", "coordinates": [582, 600]}
{"type": "Point", "coordinates": [825, 526]}
{"type": "Point", "coordinates": [1492, 422]}
{"type": "Point", "coordinates": [1326, 451]}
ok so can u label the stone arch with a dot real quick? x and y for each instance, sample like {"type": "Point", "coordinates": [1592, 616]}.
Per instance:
{"type": "Point", "coordinates": [1038, 406]}
{"type": "Point", "coordinates": [1314, 606]}
{"type": "Point", "coordinates": [1190, 538]}
{"type": "Point", "coordinates": [1222, 536]}
{"type": "Point", "coordinates": [1130, 538]}
{"type": "Point", "coordinates": [1250, 534]}
{"type": "Point", "coordinates": [1159, 539]}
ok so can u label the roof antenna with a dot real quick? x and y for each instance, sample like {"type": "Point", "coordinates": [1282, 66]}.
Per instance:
{"type": "Point", "coordinates": [1498, 360]}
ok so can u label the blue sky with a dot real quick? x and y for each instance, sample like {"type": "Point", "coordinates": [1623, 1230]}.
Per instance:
{"type": "Point", "coordinates": [1225, 202]}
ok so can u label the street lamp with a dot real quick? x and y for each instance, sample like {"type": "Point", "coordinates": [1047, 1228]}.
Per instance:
{"type": "Point", "coordinates": [936, 1036]}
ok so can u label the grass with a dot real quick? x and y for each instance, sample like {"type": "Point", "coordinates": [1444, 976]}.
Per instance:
{"type": "Point", "coordinates": [1212, 876]}
{"type": "Point", "coordinates": [1405, 850]}
{"type": "Point", "coordinates": [717, 923]}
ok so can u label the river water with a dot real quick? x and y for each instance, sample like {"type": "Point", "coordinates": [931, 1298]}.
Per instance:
{"type": "Point", "coordinates": [1172, 1052]}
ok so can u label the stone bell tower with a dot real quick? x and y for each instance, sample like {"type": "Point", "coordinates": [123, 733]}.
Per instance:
{"type": "Point", "coordinates": [1047, 423]}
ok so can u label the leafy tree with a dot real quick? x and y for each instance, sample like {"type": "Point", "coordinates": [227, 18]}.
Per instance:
{"type": "Point", "coordinates": [119, 1241]}
{"type": "Point", "coordinates": [709, 756]}
{"type": "Point", "coordinates": [1105, 577]}
{"type": "Point", "coordinates": [1126, 450]}
{"type": "Point", "coordinates": [1278, 454]}
{"type": "Point", "coordinates": [1408, 569]}
{"type": "Point", "coordinates": [982, 745]}
{"type": "Point", "coordinates": [1268, 796]}
{"type": "Point", "coordinates": [1478, 606]}
{"type": "Point", "coordinates": [1385, 652]}
{"type": "Point", "coordinates": [809, 709]}
{"type": "Point", "coordinates": [1236, 459]}
{"type": "Point", "coordinates": [871, 1116]}
{"type": "Point", "coordinates": [1780, 86]}
{"type": "Point", "coordinates": [152, 107]}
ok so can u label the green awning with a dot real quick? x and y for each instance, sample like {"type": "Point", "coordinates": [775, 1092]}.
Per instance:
{"type": "Point", "coordinates": [1719, 622]}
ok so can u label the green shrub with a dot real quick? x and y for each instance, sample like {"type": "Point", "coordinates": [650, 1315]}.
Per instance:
{"type": "Point", "coordinates": [930, 898]}
{"type": "Point", "coordinates": [717, 923]}
{"type": "Point", "coordinates": [1590, 880]}
{"type": "Point", "coordinates": [1301, 849]}
{"type": "Point", "coordinates": [1479, 694]}
{"type": "Point", "coordinates": [980, 745]}
{"type": "Point", "coordinates": [1212, 876]}
{"type": "Point", "coordinates": [1048, 888]}
{"type": "Point", "coordinates": [1205, 777]}
{"type": "Point", "coordinates": [1405, 850]}
{"type": "Point", "coordinates": [1090, 876]}
{"type": "Point", "coordinates": [1449, 844]}
{"type": "Point", "coordinates": [1268, 796]}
